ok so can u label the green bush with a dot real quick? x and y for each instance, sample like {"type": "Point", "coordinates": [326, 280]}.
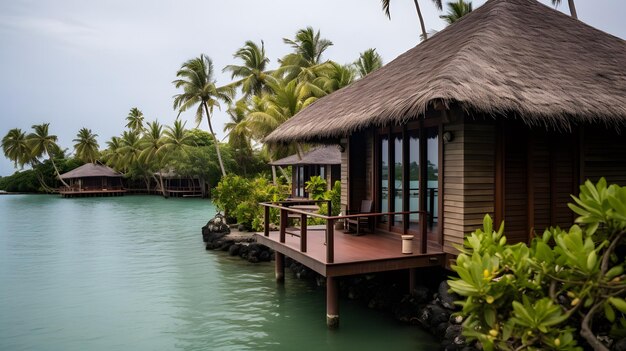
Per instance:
{"type": "Point", "coordinates": [240, 198]}
{"type": "Point", "coordinates": [565, 291]}
{"type": "Point", "coordinates": [316, 187]}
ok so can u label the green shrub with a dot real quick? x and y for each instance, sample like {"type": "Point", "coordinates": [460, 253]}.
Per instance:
{"type": "Point", "coordinates": [316, 187]}
{"type": "Point", "coordinates": [564, 291]}
{"type": "Point", "coordinates": [240, 198]}
{"type": "Point", "coordinates": [230, 192]}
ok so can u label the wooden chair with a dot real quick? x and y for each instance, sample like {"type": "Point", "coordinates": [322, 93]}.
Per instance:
{"type": "Point", "coordinates": [359, 222]}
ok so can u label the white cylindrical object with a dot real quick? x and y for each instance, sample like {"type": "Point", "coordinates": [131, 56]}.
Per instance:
{"type": "Point", "coordinates": [407, 244]}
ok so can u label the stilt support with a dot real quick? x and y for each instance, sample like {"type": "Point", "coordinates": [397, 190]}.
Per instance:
{"type": "Point", "coordinates": [332, 303]}
{"type": "Point", "coordinates": [279, 267]}
{"type": "Point", "coordinates": [412, 280]}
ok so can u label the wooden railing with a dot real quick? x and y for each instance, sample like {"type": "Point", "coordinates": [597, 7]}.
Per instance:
{"type": "Point", "coordinates": [76, 189]}
{"type": "Point", "coordinates": [286, 208]}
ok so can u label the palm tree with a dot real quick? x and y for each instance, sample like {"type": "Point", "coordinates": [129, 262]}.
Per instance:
{"type": "Point", "coordinates": [41, 142]}
{"type": "Point", "coordinates": [135, 120]}
{"type": "Point", "coordinates": [112, 155]}
{"type": "Point", "coordinates": [153, 151]}
{"type": "Point", "coordinates": [239, 134]}
{"type": "Point", "coordinates": [253, 72]}
{"type": "Point", "coordinates": [570, 3]}
{"type": "Point", "coordinates": [304, 62]}
{"type": "Point", "coordinates": [386, 3]}
{"type": "Point", "coordinates": [368, 61]}
{"type": "Point", "coordinates": [456, 10]}
{"type": "Point", "coordinates": [177, 138]}
{"type": "Point", "coordinates": [288, 98]}
{"type": "Point", "coordinates": [334, 77]}
{"type": "Point", "coordinates": [129, 149]}
{"type": "Point", "coordinates": [15, 147]}
{"type": "Point", "coordinates": [196, 79]}
{"type": "Point", "coordinates": [86, 146]}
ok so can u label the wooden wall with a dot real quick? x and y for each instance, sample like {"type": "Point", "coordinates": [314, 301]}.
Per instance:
{"type": "Point", "coordinates": [604, 155]}
{"type": "Point", "coordinates": [469, 179]}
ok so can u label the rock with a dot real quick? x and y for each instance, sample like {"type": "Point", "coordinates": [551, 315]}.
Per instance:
{"type": "Point", "coordinates": [446, 299]}
{"type": "Point", "coordinates": [216, 225]}
{"type": "Point", "coordinates": [453, 331]}
{"type": "Point", "coordinates": [437, 315]}
{"type": "Point", "coordinates": [421, 294]}
{"type": "Point", "coordinates": [234, 249]}
{"type": "Point", "coordinates": [456, 319]}
{"type": "Point", "coordinates": [265, 256]}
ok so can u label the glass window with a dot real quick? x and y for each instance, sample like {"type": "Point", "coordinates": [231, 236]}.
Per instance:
{"type": "Point", "coordinates": [397, 178]}
{"type": "Point", "coordinates": [432, 182]}
{"type": "Point", "coordinates": [384, 176]}
{"type": "Point", "coordinates": [414, 177]}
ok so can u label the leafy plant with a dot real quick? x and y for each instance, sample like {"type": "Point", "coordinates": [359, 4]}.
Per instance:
{"type": "Point", "coordinates": [564, 291]}
{"type": "Point", "coordinates": [316, 187]}
{"type": "Point", "coordinates": [240, 198]}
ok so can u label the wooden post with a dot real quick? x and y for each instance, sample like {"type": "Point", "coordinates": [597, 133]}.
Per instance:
{"type": "Point", "coordinates": [332, 303]}
{"type": "Point", "coordinates": [283, 224]}
{"type": "Point", "coordinates": [303, 232]}
{"type": "Point", "coordinates": [412, 281]}
{"type": "Point", "coordinates": [330, 241]}
{"type": "Point", "coordinates": [266, 219]}
{"type": "Point", "coordinates": [279, 267]}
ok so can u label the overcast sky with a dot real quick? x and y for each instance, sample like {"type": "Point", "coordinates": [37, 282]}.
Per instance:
{"type": "Point", "coordinates": [76, 63]}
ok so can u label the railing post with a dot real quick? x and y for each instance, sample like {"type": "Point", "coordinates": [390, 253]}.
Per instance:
{"type": "Point", "coordinates": [330, 241]}
{"type": "Point", "coordinates": [283, 224]}
{"type": "Point", "coordinates": [303, 232]}
{"type": "Point", "coordinates": [266, 219]}
{"type": "Point", "coordinates": [330, 208]}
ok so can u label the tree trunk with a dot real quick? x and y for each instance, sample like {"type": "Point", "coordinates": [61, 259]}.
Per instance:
{"type": "Point", "coordinates": [419, 15]}
{"type": "Point", "coordinates": [159, 182]}
{"type": "Point", "coordinates": [572, 8]}
{"type": "Point", "coordinates": [217, 147]}
{"type": "Point", "coordinates": [282, 170]}
{"type": "Point", "coordinates": [56, 170]}
{"type": "Point", "coordinates": [274, 180]}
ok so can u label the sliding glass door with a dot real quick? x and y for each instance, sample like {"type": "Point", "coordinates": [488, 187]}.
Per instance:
{"type": "Point", "coordinates": [409, 178]}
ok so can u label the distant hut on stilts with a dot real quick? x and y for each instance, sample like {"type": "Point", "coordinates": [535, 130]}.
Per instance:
{"type": "Point", "coordinates": [92, 180]}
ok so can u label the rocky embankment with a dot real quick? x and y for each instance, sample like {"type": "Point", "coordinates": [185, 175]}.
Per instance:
{"type": "Point", "coordinates": [430, 306]}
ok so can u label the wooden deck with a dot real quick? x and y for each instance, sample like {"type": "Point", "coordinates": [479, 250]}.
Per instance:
{"type": "Point", "coordinates": [91, 193]}
{"type": "Point", "coordinates": [335, 253]}
{"type": "Point", "coordinates": [373, 252]}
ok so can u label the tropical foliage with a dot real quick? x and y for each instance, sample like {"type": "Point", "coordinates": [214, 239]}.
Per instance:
{"type": "Point", "coordinates": [566, 291]}
{"type": "Point", "coordinates": [239, 198]}
{"type": "Point", "coordinates": [456, 10]}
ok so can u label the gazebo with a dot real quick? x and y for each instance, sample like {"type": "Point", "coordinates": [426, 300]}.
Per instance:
{"type": "Point", "coordinates": [323, 161]}
{"type": "Point", "coordinates": [92, 179]}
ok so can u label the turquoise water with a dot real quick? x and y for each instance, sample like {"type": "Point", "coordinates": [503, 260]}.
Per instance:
{"type": "Point", "coordinates": [131, 272]}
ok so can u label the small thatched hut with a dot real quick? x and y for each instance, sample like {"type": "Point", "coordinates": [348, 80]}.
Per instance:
{"type": "Point", "coordinates": [92, 179]}
{"type": "Point", "coordinates": [504, 112]}
{"type": "Point", "coordinates": [323, 161]}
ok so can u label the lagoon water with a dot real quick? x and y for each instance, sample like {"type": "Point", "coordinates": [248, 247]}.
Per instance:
{"type": "Point", "coordinates": [131, 273]}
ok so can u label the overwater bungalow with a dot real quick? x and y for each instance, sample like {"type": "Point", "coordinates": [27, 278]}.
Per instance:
{"type": "Point", "coordinates": [504, 112]}
{"type": "Point", "coordinates": [92, 179]}
{"type": "Point", "coordinates": [323, 161]}
{"type": "Point", "coordinates": [176, 185]}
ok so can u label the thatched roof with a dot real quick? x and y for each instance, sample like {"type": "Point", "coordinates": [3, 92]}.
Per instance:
{"type": "Point", "coordinates": [91, 170]}
{"type": "Point", "coordinates": [323, 155]}
{"type": "Point", "coordinates": [508, 57]}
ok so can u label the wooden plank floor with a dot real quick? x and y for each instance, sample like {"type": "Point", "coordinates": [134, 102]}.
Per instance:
{"type": "Point", "coordinates": [373, 252]}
